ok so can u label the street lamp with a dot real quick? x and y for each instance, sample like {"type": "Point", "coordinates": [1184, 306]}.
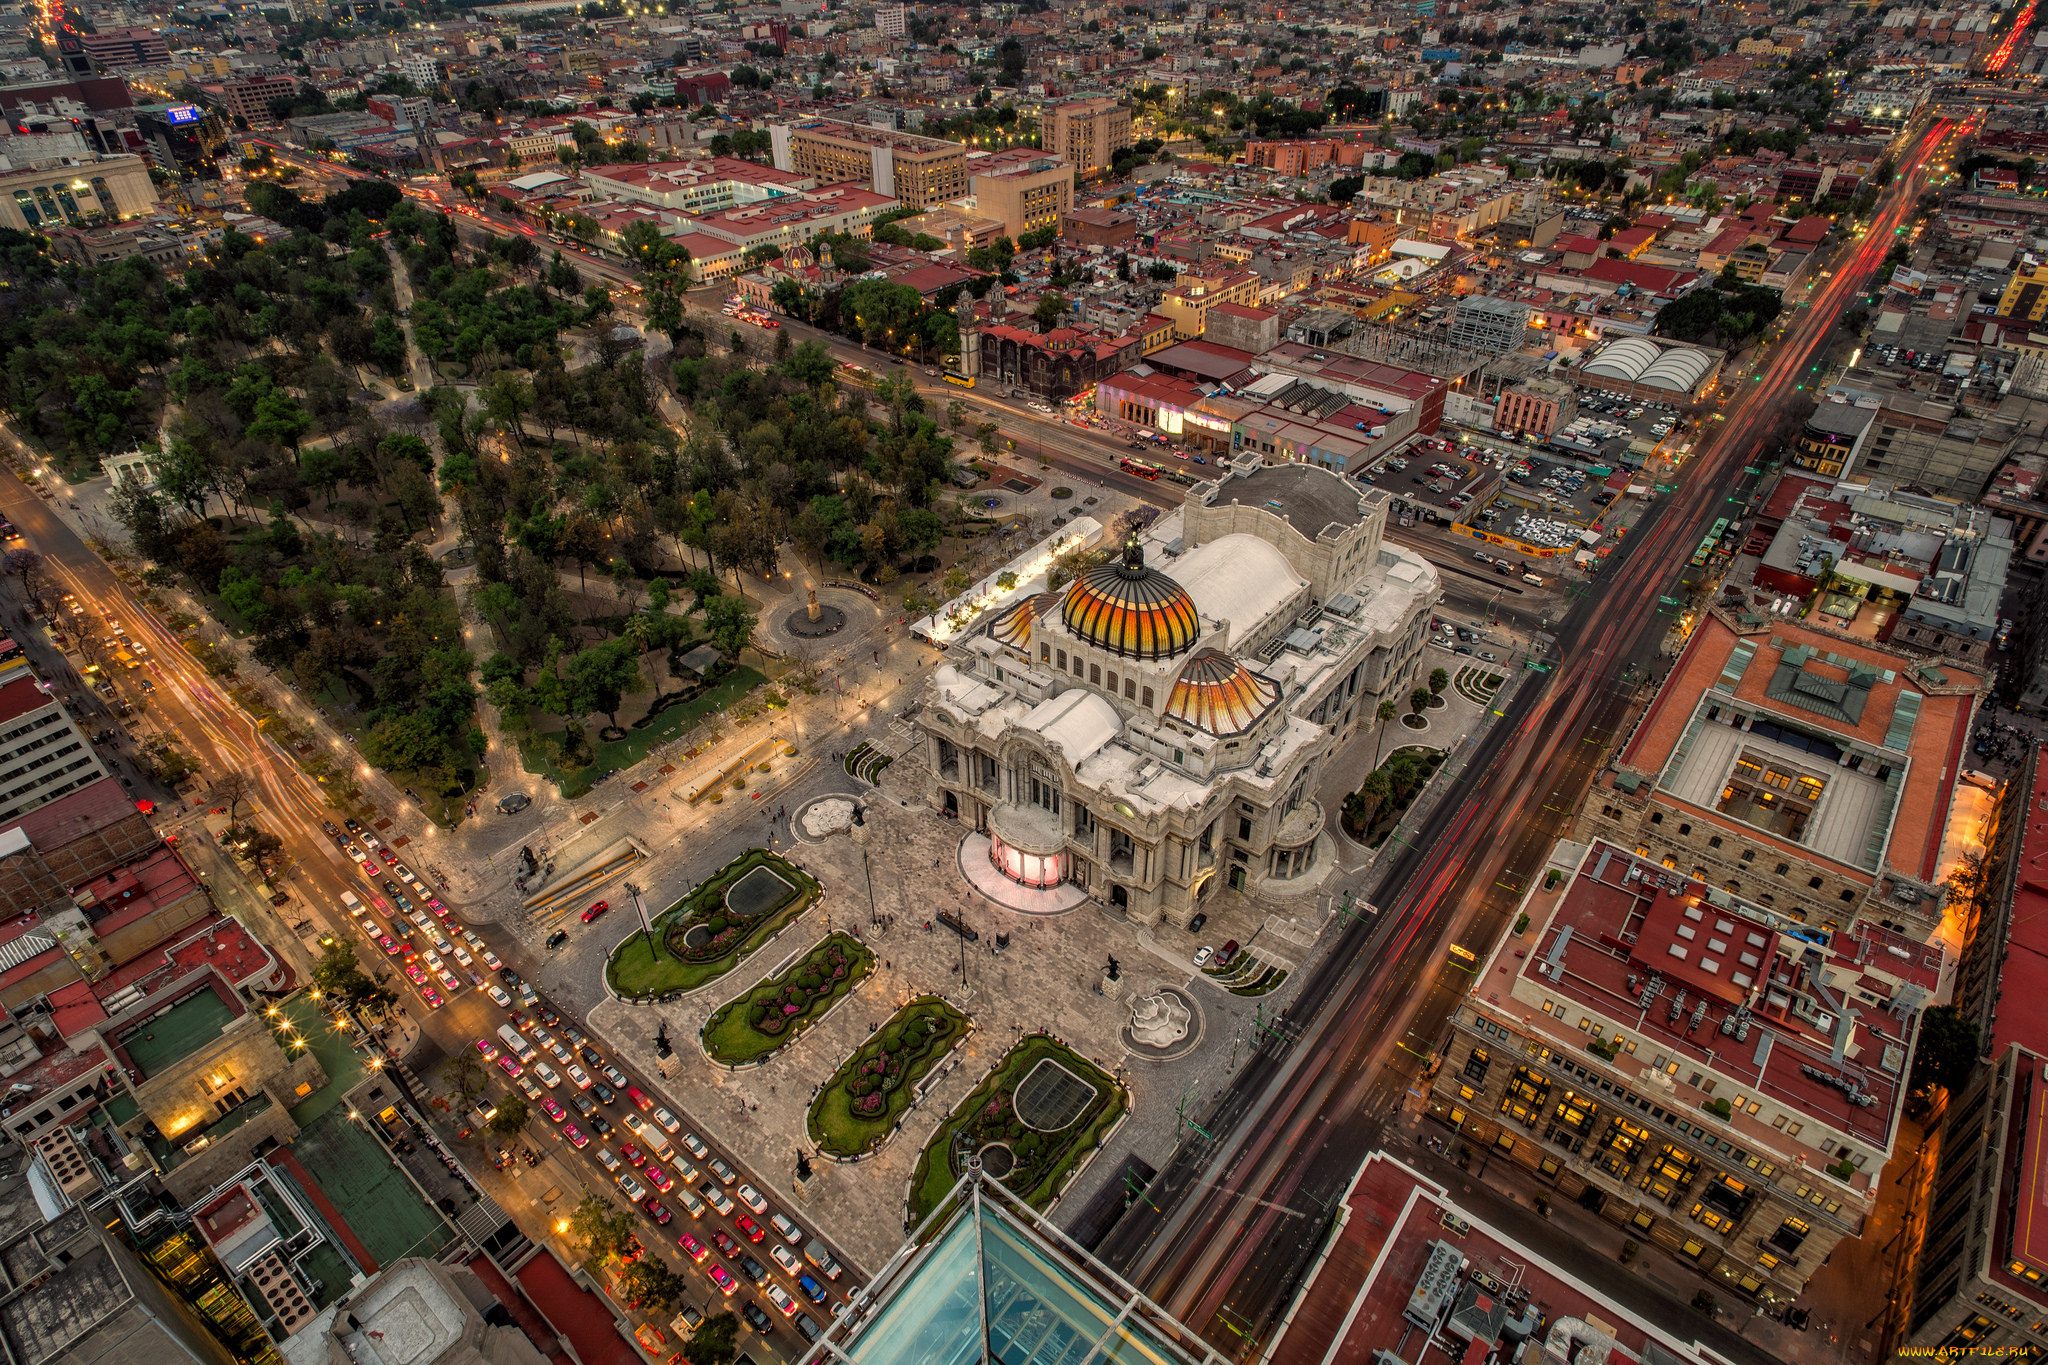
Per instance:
{"type": "Point", "coordinates": [633, 890]}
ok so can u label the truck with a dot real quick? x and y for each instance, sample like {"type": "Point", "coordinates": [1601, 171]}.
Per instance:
{"type": "Point", "coordinates": [817, 1255]}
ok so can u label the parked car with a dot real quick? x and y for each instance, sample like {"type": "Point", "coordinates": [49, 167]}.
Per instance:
{"type": "Point", "coordinates": [751, 1197]}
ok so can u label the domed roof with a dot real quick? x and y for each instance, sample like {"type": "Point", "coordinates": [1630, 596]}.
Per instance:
{"type": "Point", "coordinates": [1218, 694]}
{"type": "Point", "coordinates": [1014, 627]}
{"type": "Point", "coordinates": [1131, 610]}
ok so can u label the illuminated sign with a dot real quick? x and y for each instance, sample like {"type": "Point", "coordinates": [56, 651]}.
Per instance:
{"type": "Point", "coordinates": [182, 113]}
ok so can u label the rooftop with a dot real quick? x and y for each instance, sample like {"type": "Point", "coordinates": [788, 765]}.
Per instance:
{"type": "Point", "coordinates": [174, 1031]}
{"type": "Point", "coordinates": [22, 696]}
{"type": "Point", "coordinates": [1309, 499]}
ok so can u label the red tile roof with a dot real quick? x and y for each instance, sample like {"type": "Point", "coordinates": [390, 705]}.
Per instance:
{"type": "Point", "coordinates": [22, 696]}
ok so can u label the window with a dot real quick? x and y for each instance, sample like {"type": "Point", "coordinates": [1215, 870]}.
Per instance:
{"type": "Point", "coordinates": [1790, 1234]}
{"type": "Point", "coordinates": [1044, 652]}
{"type": "Point", "coordinates": [1147, 703]}
{"type": "Point", "coordinates": [1130, 689]}
{"type": "Point", "coordinates": [1062, 661]}
{"type": "Point", "coordinates": [1095, 673]}
{"type": "Point", "coordinates": [1112, 681]}
{"type": "Point", "coordinates": [1657, 817]}
{"type": "Point", "coordinates": [1792, 1129]}
{"type": "Point", "coordinates": [1813, 882]}
{"type": "Point", "coordinates": [1244, 828]}
{"type": "Point", "coordinates": [1684, 830]}
{"type": "Point", "coordinates": [1477, 1064]}
{"type": "Point", "coordinates": [1783, 868]}
{"type": "Point", "coordinates": [1714, 842]}
{"type": "Point", "coordinates": [1848, 893]}
{"type": "Point", "coordinates": [1077, 665]}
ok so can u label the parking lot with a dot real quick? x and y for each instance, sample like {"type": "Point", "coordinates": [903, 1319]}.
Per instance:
{"type": "Point", "coordinates": [1438, 476]}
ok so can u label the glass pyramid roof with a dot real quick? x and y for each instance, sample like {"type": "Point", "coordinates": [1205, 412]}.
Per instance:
{"type": "Point", "coordinates": [998, 1286]}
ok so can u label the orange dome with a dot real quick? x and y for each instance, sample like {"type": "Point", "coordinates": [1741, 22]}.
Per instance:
{"type": "Point", "coordinates": [1131, 610]}
{"type": "Point", "coordinates": [1014, 628]}
{"type": "Point", "coordinates": [1218, 694]}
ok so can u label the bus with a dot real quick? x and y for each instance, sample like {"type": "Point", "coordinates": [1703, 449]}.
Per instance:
{"type": "Point", "coordinates": [965, 381]}
{"type": "Point", "coordinates": [1139, 467]}
{"type": "Point", "coordinates": [1710, 543]}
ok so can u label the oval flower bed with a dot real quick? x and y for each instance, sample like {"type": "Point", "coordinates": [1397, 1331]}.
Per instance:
{"type": "Point", "coordinates": [772, 1015]}
{"type": "Point", "coordinates": [859, 1106]}
{"type": "Point", "coordinates": [700, 938]}
{"type": "Point", "coordinates": [988, 1116]}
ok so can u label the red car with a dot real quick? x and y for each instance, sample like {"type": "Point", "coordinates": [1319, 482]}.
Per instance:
{"type": "Point", "coordinates": [632, 1155]}
{"type": "Point", "coordinates": [749, 1229]}
{"type": "Point", "coordinates": [727, 1247]}
{"type": "Point", "coordinates": [693, 1248]}
{"type": "Point", "coordinates": [594, 911]}
{"type": "Point", "coordinates": [660, 1179]}
{"type": "Point", "coordinates": [656, 1210]}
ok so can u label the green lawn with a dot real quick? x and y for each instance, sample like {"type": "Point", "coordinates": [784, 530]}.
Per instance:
{"type": "Point", "coordinates": [730, 1035]}
{"type": "Point", "coordinates": [539, 751]}
{"type": "Point", "coordinates": [913, 1042]}
{"type": "Point", "coordinates": [1043, 1159]}
{"type": "Point", "coordinates": [639, 968]}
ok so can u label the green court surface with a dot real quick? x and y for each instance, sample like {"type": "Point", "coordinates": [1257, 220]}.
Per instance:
{"type": "Point", "coordinates": [382, 1206]}
{"type": "Point", "coordinates": [344, 1067]}
{"type": "Point", "coordinates": [178, 1032]}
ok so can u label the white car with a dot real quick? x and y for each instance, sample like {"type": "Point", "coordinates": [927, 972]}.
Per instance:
{"type": "Point", "coordinates": [404, 872]}
{"type": "Point", "coordinates": [498, 996]}
{"type": "Point", "coordinates": [786, 1258]}
{"type": "Point", "coordinates": [549, 1077]}
{"type": "Point", "coordinates": [696, 1147]}
{"type": "Point", "coordinates": [528, 1088]}
{"type": "Point", "coordinates": [1203, 954]}
{"type": "Point", "coordinates": [631, 1186]}
{"type": "Point", "coordinates": [433, 961]}
{"type": "Point", "coordinates": [462, 956]}
{"type": "Point", "coordinates": [788, 1231]}
{"type": "Point", "coordinates": [578, 1077]}
{"type": "Point", "coordinates": [779, 1296]}
{"type": "Point", "coordinates": [468, 936]}
{"type": "Point", "coordinates": [717, 1198]}
{"type": "Point", "coordinates": [358, 854]}
{"type": "Point", "coordinates": [491, 960]}
{"type": "Point", "coordinates": [751, 1197]}
{"type": "Point", "coordinates": [667, 1121]}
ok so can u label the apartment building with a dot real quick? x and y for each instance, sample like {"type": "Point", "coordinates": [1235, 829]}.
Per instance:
{"type": "Point", "coordinates": [250, 99]}
{"type": "Point", "coordinates": [1088, 133]}
{"type": "Point", "coordinates": [111, 48]}
{"type": "Point", "coordinates": [1024, 190]}
{"type": "Point", "coordinates": [890, 20]}
{"type": "Point", "coordinates": [1188, 302]}
{"type": "Point", "coordinates": [1538, 405]}
{"type": "Point", "coordinates": [917, 171]}
{"type": "Point", "coordinates": [1701, 1070]}
{"type": "Point", "coordinates": [1807, 770]}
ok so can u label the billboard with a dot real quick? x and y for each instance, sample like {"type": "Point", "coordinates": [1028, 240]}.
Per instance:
{"type": "Point", "coordinates": [183, 113]}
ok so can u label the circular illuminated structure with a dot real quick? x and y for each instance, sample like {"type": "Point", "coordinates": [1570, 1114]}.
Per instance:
{"type": "Point", "coordinates": [1026, 845]}
{"type": "Point", "coordinates": [1131, 610]}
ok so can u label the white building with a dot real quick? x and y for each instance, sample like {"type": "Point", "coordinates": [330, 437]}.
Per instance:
{"type": "Point", "coordinates": [889, 20]}
{"type": "Point", "coordinates": [43, 753]}
{"type": "Point", "coordinates": [1163, 719]}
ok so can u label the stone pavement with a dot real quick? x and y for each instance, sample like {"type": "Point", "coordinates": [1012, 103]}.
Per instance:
{"type": "Point", "coordinates": [1047, 978]}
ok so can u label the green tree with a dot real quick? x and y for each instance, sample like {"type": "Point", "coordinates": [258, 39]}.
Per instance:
{"type": "Point", "coordinates": [652, 1284]}
{"type": "Point", "coordinates": [405, 744]}
{"type": "Point", "coordinates": [1438, 681]}
{"type": "Point", "coordinates": [464, 1073]}
{"type": "Point", "coordinates": [511, 1116]}
{"type": "Point", "coordinates": [600, 1227]}
{"type": "Point", "coordinates": [1418, 699]}
{"type": "Point", "coordinates": [340, 977]}
{"type": "Point", "coordinates": [731, 623]}
{"type": "Point", "coordinates": [1946, 1051]}
{"type": "Point", "coordinates": [1385, 715]}
{"type": "Point", "coordinates": [1052, 306]}
{"type": "Point", "coordinates": [715, 1342]}
{"type": "Point", "coordinates": [602, 674]}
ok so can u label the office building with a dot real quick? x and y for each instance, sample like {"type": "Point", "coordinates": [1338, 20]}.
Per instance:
{"type": "Point", "coordinates": [1159, 725]}
{"type": "Point", "coordinates": [1023, 189]}
{"type": "Point", "coordinates": [43, 753]}
{"type": "Point", "coordinates": [890, 19]}
{"type": "Point", "coordinates": [112, 48]}
{"type": "Point", "coordinates": [1977, 1282]}
{"type": "Point", "coordinates": [1699, 1068]}
{"type": "Point", "coordinates": [1088, 133]}
{"type": "Point", "coordinates": [183, 140]}
{"type": "Point", "coordinates": [250, 99]}
{"type": "Point", "coordinates": [106, 190]}
{"type": "Point", "coordinates": [423, 69]}
{"type": "Point", "coordinates": [917, 171]}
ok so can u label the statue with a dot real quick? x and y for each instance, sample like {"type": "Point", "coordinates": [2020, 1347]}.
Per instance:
{"type": "Point", "coordinates": [661, 1043]}
{"type": "Point", "coordinates": [803, 1167]}
{"type": "Point", "coordinates": [1115, 969]}
{"type": "Point", "coordinates": [812, 608]}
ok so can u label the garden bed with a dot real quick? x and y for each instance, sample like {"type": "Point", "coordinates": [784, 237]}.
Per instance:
{"type": "Point", "coordinates": [776, 1012]}
{"type": "Point", "coordinates": [865, 1098]}
{"type": "Point", "coordinates": [540, 752]}
{"type": "Point", "coordinates": [1370, 816]}
{"type": "Point", "coordinates": [866, 762]}
{"type": "Point", "coordinates": [1248, 975]}
{"type": "Point", "coordinates": [640, 968]}
{"type": "Point", "coordinates": [1041, 1157]}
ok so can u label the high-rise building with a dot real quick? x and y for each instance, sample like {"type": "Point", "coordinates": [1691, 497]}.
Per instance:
{"type": "Point", "coordinates": [183, 140]}
{"type": "Point", "coordinates": [1023, 189]}
{"type": "Point", "coordinates": [1480, 323]}
{"type": "Point", "coordinates": [250, 99]}
{"type": "Point", "coordinates": [118, 47]}
{"type": "Point", "coordinates": [1089, 133]}
{"type": "Point", "coordinates": [889, 20]}
{"type": "Point", "coordinates": [423, 69]}
{"type": "Point", "coordinates": [917, 171]}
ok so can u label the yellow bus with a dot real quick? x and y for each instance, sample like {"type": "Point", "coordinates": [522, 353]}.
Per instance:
{"type": "Point", "coordinates": [964, 381]}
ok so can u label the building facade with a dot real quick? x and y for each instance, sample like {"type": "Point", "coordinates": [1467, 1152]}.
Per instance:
{"type": "Point", "coordinates": [1089, 133]}
{"type": "Point", "coordinates": [1145, 733]}
{"type": "Point", "coordinates": [917, 171]}
{"type": "Point", "coordinates": [43, 753]}
{"type": "Point", "coordinates": [106, 190]}
{"type": "Point", "coordinates": [250, 99]}
{"type": "Point", "coordinates": [1025, 194]}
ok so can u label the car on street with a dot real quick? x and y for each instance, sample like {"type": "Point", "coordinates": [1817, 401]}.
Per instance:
{"type": "Point", "coordinates": [498, 996]}
{"type": "Point", "coordinates": [577, 1137]}
{"type": "Point", "coordinates": [749, 1229]}
{"type": "Point", "coordinates": [788, 1231]}
{"type": "Point", "coordinates": [694, 1145]}
{"type": "Point", "coordinates": [604, 1093]}
{"type": "Point", "coordinates": [813, 1291]}
{"type": "Point", "coordinates": [557, 939]}
{"type": "Point", "coordinates": [666, 1120]}
{"type": "Point", "coordinates": [722, 1171]}
{"type": "Point", "coordinates": [753, 1269]}
{"type": "Point", "coordinates": [660, 1179]}
{"type": "Point", "coordinates": [552, 1110]}
{"type": "Point", "coordinates": [633, 1155]}
{"type": "Point", "coordinates": [756, 1318]}
{"type": "Point", "coordinates": [779, 1296]}
{"type": "Point", "coordinates": [716, 1198]}
{"type": "Point", "coordinates": [619, 1082]}
{"type": "Point", "coordinates": [549, 1077]}
{"type": "Point", "coordinates": [1203, 954]}
{"type": "Point", "coordinates": [722, 1277]}
{"type": "Point", "coordinates": [608, 1159]}
{"type": "Point", "coordinates": [631, 1186]}
{"type": "Point", "coordinates": [751, 1197]}
{"type": "Point", "coordinates": [786, 1258]}
{"type": "Point", "coordinates": [656, 1210]}
{"type": "Point", "coordinates": [578, 1077]}
{"type": "Point", "coordinates": [727, 1247]}
{"type": "Point", "coordinates": [693, 1248]}
{"type": "Point", "coordinates": [491, 960]}
{"type": "Point", "coordinates": [511, 1067]}
{"type": "Point", "coordinates": [594, 911]}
